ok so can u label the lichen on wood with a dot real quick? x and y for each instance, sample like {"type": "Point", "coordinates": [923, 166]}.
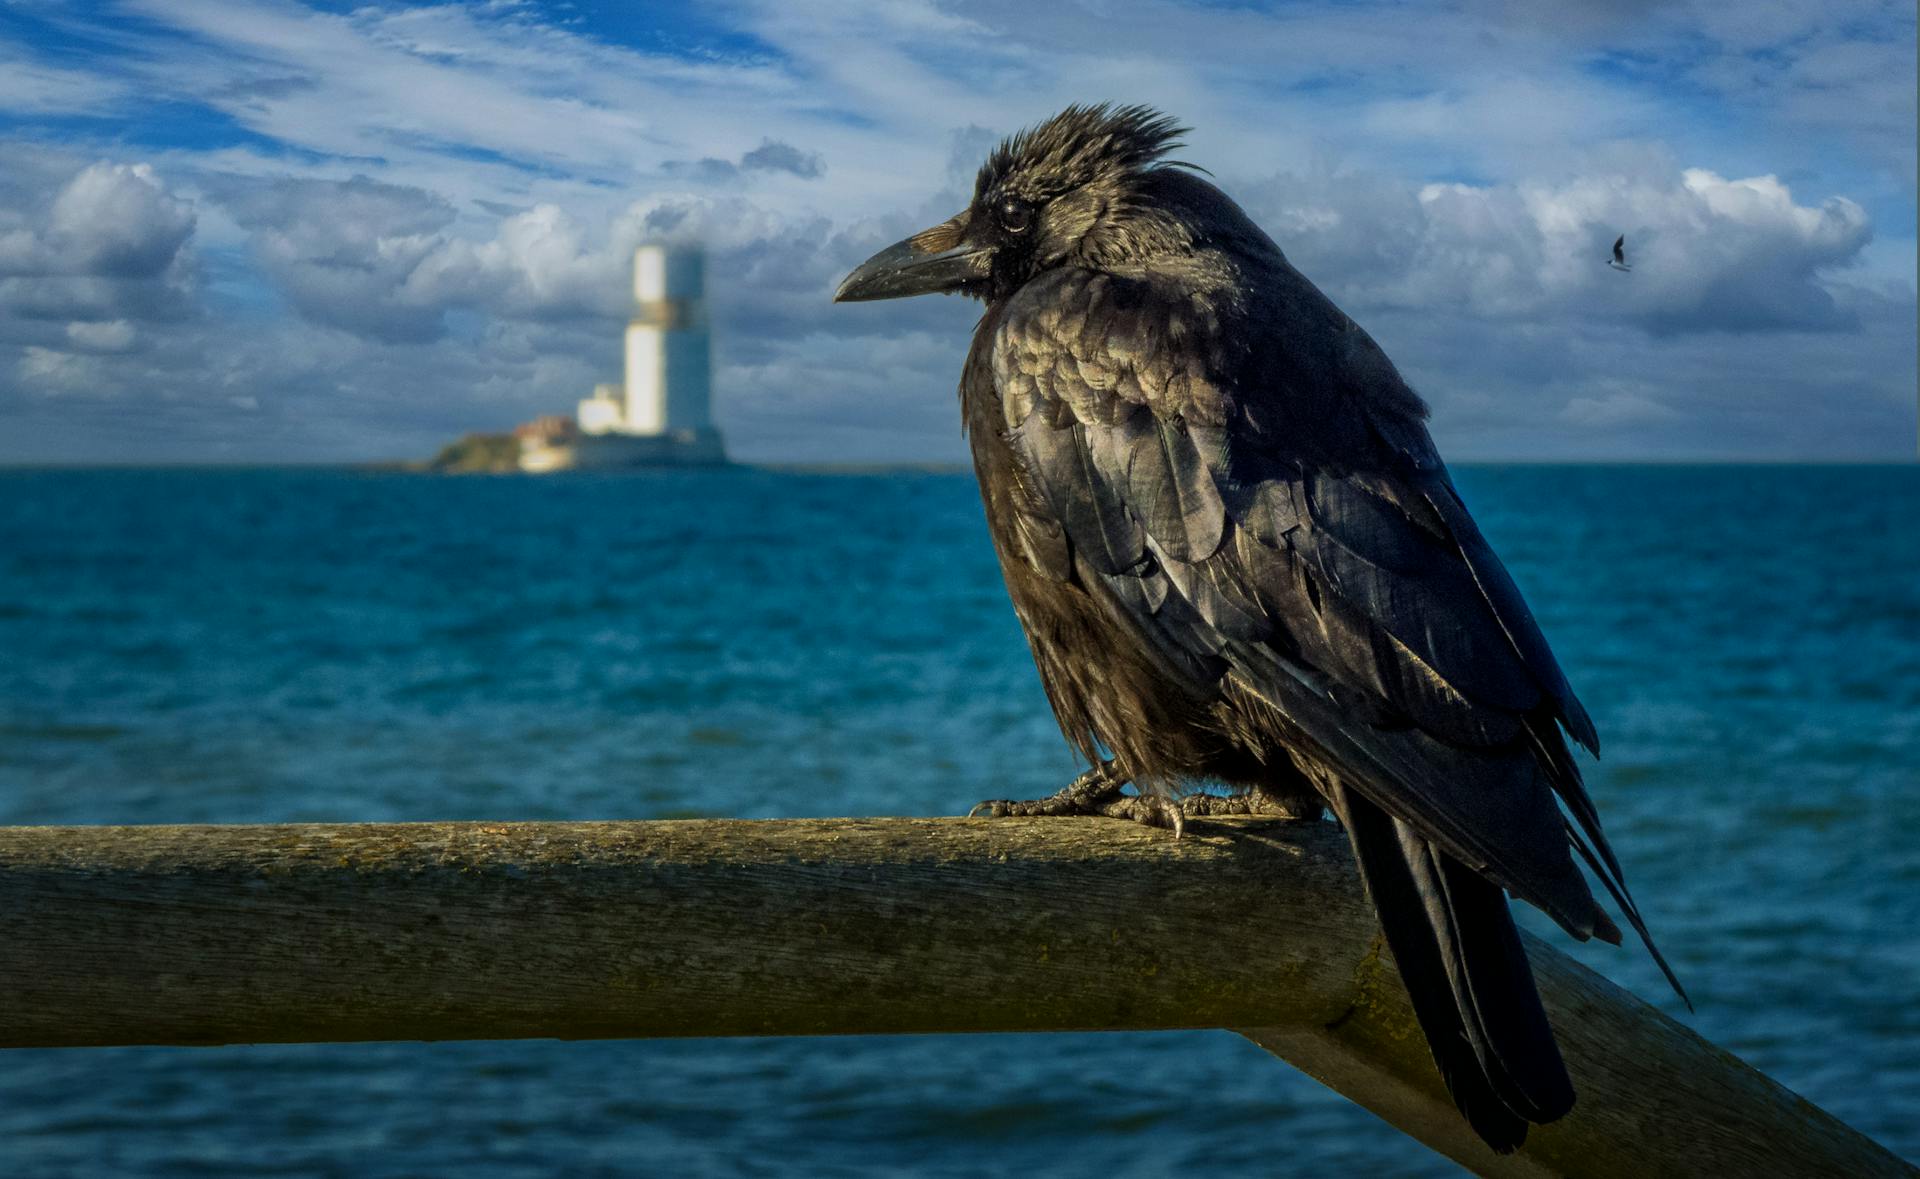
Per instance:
{"type": "Point", "coordinates": [428, 931]}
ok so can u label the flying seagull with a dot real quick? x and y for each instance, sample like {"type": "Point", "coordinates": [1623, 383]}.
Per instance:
{"type": "Point", "coordinates": [1619, 259]}
{"type": "Point", "coordinates": [1238, 557]}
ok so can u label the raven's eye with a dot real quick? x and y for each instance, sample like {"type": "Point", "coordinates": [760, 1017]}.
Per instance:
{"type": "Point", "coordinates": [1014, 215]}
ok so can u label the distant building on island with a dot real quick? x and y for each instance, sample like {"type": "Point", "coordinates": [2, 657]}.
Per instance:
{"type": "Point", "coordinates": [663, 415]}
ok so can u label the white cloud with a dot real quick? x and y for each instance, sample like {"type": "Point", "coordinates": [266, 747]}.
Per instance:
{"type": "Point", "coordinates": [1616, 409]}
{"type": "Point", "coordinates": [106, 220]}
{"type": "Point", "coordinates": [424, 219]}
{"type": "Point", "coordinates": [47, 370]}
{"type": "Point", "coordinates": [512, 106]}
{"type": "Point", "coordinates": [114, 335]}
{"type": "Point", "coordinates": [117, 219]}
{"type": "Point", "coordinates": [88, 251]}
{"type": "Point", "coordinates": [343, 251]}
{"type": "Point", "coordinates": [1708, 254]}
{"type": "Point", "coordinates": [540, 264]}
{"type": "Point", "coordinates": [31, 87]}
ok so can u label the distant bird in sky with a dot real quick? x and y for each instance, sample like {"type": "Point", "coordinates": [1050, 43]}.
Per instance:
{"type": "Point", "coordinates": [1238, 557]}
{"type": "Point", "coordinates": [1619, 259]}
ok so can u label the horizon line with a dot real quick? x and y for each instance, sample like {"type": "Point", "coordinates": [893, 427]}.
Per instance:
{"type": "Point", "coordinates": [879, 466]}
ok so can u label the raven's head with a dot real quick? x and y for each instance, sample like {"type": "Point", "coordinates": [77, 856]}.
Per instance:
{"type": "Point", "coordinates": [1063, 192]}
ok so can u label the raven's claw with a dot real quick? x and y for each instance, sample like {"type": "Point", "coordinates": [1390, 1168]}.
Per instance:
{"type": "Point", "coordinates": [1085, 795]}
{"type": "Point", "coordinates": [1254, 802]}
{"type": "Point", "coordinates": [1096, 792]}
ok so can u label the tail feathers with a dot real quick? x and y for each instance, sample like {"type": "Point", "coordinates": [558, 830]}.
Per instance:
{"type": "Point", "coordinates": [1467, 975]}
{"type": "Point", "coordinates": [1493, 984]}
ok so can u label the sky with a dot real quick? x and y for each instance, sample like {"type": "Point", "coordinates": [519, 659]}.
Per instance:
{"type": "Point", "coordinates": [265, 231]}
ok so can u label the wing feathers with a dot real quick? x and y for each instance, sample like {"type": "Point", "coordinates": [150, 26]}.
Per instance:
{"type": "Point", "coordinates": [1360, 603]}
{"type": "Point", "coordinates": [1496, 585]}
{"type": "Point", "coordinates": [1171, 491]}
{"type": "Point", "coordinates": [1086, 501]}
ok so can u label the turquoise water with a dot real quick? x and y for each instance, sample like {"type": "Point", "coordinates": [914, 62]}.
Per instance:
{"type": "Point", "coordinates": [272, 645]}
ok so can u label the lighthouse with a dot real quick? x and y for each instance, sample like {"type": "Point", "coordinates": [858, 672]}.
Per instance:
{"type": "Point", "coordinates": [663, 411]}
{"type": "Point", "coordinates": [669, 351]}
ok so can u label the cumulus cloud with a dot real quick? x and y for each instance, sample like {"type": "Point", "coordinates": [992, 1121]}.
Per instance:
{"type": "Point", "coordinates": [88, 252]}
{"type": "Point", "coordinates": [1455, 183]}
{"type": "Point", "coordinates": [1708, 253]}
{"type": "Point", "coordinates": [770, 156]}
{"type": "Point", "coordinates": [774, 156]}
{"type": "Point", "coordinates": [52, 370]}
{"type": "Point", "coordinates": [540, 264]}
{"type": "Point", "coordinates": [1711, 254]}
{"type": "Point", "coordinates": [342, 251]}
{"type": "Point", "coordinates": [108, 220]}
{"type": "Point", "coordinates": [388, 262]}
{"type": "Point", "coordinates": [118, 221]}
{"type": "Point", "coordinates": [116, 335]}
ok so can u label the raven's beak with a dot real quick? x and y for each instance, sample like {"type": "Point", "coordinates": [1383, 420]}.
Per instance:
{"type": "Point", "coordinates": [932, 260]}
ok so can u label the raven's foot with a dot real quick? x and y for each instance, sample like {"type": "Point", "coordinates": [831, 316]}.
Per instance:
{"type": "Point", "coordinates": [1299, 808]}
{"type": "Point", "coordinates": [1082, 796]}
{"type": "Point", "coordinates": [1096, 792]}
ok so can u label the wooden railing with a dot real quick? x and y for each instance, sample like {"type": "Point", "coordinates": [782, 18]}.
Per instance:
{"type": "Point", "coordinates": [436, 931]}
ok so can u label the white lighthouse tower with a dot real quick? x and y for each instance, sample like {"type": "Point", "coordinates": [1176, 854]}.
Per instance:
{"type": "Point", "coordinates": [664, 414]}
{"type": "Point", "coordinates": [669, 352]}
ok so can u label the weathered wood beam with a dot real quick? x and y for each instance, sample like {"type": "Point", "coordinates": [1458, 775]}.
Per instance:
{"type": "Point", "coordinates": [434, 931]}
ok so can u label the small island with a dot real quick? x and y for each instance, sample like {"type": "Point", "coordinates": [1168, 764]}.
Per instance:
{"type": "Point", "coordinates": [661, 417]}
{"type": "Point", "coordinates": [476, 454]}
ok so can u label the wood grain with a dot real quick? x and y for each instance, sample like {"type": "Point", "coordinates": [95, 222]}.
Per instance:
{"type": "Point", "coordinates": [435, 931]}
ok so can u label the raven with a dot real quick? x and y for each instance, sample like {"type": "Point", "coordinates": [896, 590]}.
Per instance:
{"type": "Point", "coordinates": [1237, 557]}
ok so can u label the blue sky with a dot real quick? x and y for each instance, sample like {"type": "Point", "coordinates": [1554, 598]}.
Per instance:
{"type": "Point", "coordinates": [254, 230]}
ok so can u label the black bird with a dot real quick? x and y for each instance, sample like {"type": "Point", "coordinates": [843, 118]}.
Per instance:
{"type": "Point", "coordinates": [1238, 557]}
{"type": "Point", "coordinates": [1619, 261]}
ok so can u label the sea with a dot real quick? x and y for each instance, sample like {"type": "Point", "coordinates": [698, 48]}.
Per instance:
{"type": "Point", "coordinates": [336, 645]}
